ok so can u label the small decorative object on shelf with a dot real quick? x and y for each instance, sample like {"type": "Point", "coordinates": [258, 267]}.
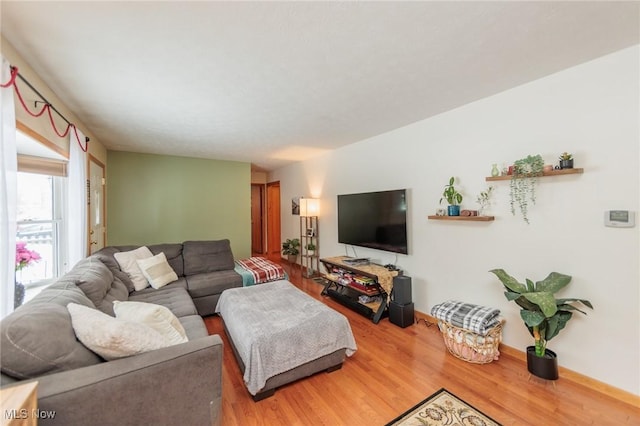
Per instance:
{"type": "Point", "coordinates": [494, 170]}
{"type": "Point", "coordinates": [566, 161]}
{"type": "Point", "coordinates": [453, 197]}
{"type": "Point", "coordinates": [523, 183]}
{"type": "Point", "coordinates": [484, 200]}
{"type": "Point", "coordinates": [311, 249]}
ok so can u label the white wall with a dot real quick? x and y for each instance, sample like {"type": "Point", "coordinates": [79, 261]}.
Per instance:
{"type": "Point", "coordinates": [591, 110]}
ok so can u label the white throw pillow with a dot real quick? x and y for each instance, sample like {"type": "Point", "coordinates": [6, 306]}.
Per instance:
{"type": "Point", "coordinates": [160, 318]}
{"type": "Point", "coordinates": [127, 261]}
{"type": "Point", "coordinates": [113, 338]}
{"type": "Point", "coordinates": [157, 270]}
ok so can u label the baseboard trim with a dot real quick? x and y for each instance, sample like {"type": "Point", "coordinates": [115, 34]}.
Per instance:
{"type": "Point", "coordinates": [565, 373]}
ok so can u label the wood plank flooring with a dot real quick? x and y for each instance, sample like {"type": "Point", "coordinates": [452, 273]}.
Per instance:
{"type": "Point", "coordinates": [396, 368]}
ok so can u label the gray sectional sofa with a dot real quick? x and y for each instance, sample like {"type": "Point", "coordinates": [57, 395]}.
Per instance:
{"type": "Point", "coordinates": [179, 384]}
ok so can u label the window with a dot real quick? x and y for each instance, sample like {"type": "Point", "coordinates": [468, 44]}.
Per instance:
{"type": "Point", "coordinates": [41, 206]}
{"type": "Point", "coordinates": [39, 216]}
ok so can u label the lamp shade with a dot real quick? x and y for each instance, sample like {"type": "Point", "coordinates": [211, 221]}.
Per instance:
{"type": "Point", "coordinates": [309, 207]}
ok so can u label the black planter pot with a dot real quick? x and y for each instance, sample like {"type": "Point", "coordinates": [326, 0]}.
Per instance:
{"type": "Point", "coordinates": [566, 164]}
{"type": "Point", "coordinates": [545, 367]}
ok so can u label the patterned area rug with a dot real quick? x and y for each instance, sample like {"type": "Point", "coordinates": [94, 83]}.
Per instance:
{"type": "Point", "coordinates": [443, 408]}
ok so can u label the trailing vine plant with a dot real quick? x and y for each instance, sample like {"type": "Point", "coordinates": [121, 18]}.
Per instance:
{"type": "Point", "coordinates": [523, 183]}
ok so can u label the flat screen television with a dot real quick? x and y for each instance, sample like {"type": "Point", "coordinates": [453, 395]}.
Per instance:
{"type": "Point", "coordinates": [375, 220]}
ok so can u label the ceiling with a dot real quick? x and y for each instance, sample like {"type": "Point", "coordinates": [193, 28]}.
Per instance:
{"type": "Point", "coordinates": [271, 83]}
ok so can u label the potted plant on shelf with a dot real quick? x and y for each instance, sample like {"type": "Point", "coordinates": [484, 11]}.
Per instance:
{"type": "Point", "coordinates": [484, 200]}
{"type": "Point", "coordinates": [543, 315]}
{"type": "Point", "coordinates": [290, 248]}
{"type": "Point", "coordinates": [453, 197]}
{"type": "Point", "coordinates": [566, 161]}
{"type": "Point", "coordinates": [523, 183]}
{"type": "Point", "coordinates": [311, 249]}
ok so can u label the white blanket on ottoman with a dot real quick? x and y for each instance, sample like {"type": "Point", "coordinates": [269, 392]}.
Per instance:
{"type": "Point", "coordinates": [276, 327]}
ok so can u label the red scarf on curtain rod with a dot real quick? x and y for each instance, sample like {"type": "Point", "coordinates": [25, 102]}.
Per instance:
{"type": "Point", "coordinates": [46, 107]}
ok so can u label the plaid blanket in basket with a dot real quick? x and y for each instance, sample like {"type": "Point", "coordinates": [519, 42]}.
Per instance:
{"type": "Point", "coordinates": [476, 318]}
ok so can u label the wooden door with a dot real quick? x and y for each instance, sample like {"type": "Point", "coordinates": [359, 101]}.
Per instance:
{"type": "Point", "coordinates": [273, 219]}
{"type": "Point", "coordinates": [257, 227]}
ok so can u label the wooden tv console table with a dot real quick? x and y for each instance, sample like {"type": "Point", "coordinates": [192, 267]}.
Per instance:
{"type": "Point", "coordinates": [363, 288]}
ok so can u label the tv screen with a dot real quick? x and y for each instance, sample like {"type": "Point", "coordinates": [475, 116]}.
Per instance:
{"type": "Point", "coordinates": [375, 220]}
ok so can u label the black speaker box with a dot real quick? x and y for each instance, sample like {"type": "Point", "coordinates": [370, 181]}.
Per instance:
{"type": "Point", "coordinates": [401, 315]}
{"type": "Point", "coordinates": [401, 291]}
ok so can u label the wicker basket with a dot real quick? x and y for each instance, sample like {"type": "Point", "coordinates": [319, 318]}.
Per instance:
{"type": "Point", "coordinates": [469, 346]}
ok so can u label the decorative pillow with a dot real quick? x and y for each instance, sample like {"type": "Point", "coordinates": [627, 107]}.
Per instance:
{"type": "Point", "coordinates": [113, 338]}
{"type": "Point", "coordinates": [38, 339]}
{"type": "Point", "coordinates": [127, 261]}
{"type": "Point", "coordinates": [160, 318]}
{"type": "Point", "coordinates": [157, 270]}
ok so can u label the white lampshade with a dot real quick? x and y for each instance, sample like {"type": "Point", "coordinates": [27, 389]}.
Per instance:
{"type": "Point", "coordinates": [309, 207]}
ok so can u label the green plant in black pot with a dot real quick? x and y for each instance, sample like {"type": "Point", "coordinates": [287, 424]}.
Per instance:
{"type": "Point", "coordinates": [543, 314]}
{"type": "Point", "coordinates": [566, 160]}
{"type": "Point", "coordinates": [523, 183]}
{"type": "Point", "coordinates": [453, 197]}
{"type": "Point", "coordinates": [290, 248]}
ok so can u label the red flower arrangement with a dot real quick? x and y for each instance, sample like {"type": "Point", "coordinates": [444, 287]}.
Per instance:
{"type": "Point", "coordinates": [24, 256]}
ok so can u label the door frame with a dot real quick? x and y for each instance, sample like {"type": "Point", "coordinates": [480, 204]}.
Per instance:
{"type": "Point", "coordinates": [273, 208]}
{"type": "Point", "coordinates": [261, 226]}
{"type": "Point", "coordinates": [99, 163]}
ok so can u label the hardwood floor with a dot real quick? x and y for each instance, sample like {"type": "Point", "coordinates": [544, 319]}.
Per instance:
{"type": "Point", "coordinates": [396, 368]}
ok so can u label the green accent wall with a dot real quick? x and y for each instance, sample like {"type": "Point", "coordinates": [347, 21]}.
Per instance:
{"type": "Point", "coordinates": [155, 199]}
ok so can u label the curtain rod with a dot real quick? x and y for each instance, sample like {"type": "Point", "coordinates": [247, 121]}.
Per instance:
{"type": "Point", "coordinates": [24, 80]}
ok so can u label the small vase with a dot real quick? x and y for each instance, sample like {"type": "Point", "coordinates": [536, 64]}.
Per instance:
{"type": "Point", "coordinates": [494, 171]}
{"type": "Point", "coordinates": [18, 295]}
{"type": "Point", "coordinates": [453, 210]}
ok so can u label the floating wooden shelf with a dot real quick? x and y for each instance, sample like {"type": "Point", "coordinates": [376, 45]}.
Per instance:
{"type": "Point", "coordinates": [470, 218]}
{"type": "Point", "coordinates": [545, 174]}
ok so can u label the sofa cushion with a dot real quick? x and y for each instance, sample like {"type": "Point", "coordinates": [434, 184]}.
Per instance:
{"type": "Point", "coordinates": [173, 252]}
{"type": "Point", "coordinates": [62, 293]}
{"type": "Point", "coordinates": [106, 256]}
{"type": "Point", "coordinates": [128, 261]}
{"type": "Point", "coordinates": [175, 298]}
{"type": "Point", "coordinates": [157, 270]}
{"type": "Point", "coordinates": [194, 326]}
{"type": "Point", "coordinates": [201, 285]}
{"type": "Point", "coordinates": [97, 282]}
{"type": "Point", "coordinates": [112, 338]}
{"type": "Point", "coordinates": [160, 318]}
{"type": "Point", "coordinates": [207, 256]}
{"type": "Point", "coordinates": [181, 283]}
{"type": "Point", "coordinates": [38, 337]}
